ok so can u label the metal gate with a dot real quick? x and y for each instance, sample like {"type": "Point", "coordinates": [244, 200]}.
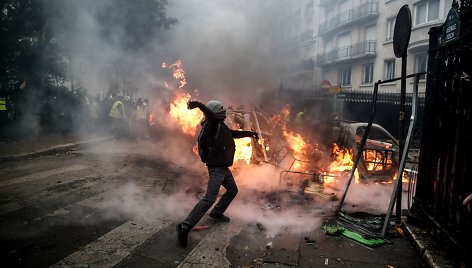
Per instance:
{"type": "Point", "coordinates": [445, 167]}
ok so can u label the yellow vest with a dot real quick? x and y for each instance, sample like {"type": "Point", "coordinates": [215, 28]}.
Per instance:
{"type": "Point", "coordinates": [298, 118]}
{"type": "Point", "coordinates": [3, 104]}
{"type": "Point", "coordinates": [117, 110]}
{"type": "Point", "coordinates": [141, 112]}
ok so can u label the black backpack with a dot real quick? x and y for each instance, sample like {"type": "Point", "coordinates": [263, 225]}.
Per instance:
{"type": "Point", "coordinates": [203, 145]}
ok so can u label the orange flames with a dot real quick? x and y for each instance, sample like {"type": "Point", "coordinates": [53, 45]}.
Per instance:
{"type": "Point", "coordinates": [297, 143]}
{"type": "Point", "coordinates": [243, 150]}
{"type": "Point", "coordinates": [298, 146]}
{"type": "Point", "coordinates": [376, 160]}
{"type": "Point", "coordinates": [177, 71]}
{"type": "Point", "coordinates": [187, 119]}
{"type": "Point", "coordinates": [343, 161]}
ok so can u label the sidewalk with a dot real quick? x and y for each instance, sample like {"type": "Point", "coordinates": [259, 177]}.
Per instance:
{"type": "Point", "coordinates": [46, 144]}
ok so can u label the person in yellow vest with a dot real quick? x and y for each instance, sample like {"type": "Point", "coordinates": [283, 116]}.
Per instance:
{"type": "Point", "coordinates": [3, 113]}
{"type": "Point", "coordinates": [3, 105]}
{"type": "Point", "coordinates": [300, 117]}
{"type": "Point", "coordinates": [117, 117]}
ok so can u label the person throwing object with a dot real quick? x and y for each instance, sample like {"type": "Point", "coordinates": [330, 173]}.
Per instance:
{"type": "Point", "coordinates": [216, 148]}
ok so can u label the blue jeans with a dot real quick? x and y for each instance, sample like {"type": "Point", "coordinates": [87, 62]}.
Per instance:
{"type": "Point", "coordinates": [218, 176]}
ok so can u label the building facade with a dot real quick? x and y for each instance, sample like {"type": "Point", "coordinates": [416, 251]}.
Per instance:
{"type": "Point", "coordinates": [352, 40]}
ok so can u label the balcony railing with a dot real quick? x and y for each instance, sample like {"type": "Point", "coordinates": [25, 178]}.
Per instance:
{"type": "Point", "coordinates": [364, 11]}
{"type": "Point", "coordinates": [364, 49]}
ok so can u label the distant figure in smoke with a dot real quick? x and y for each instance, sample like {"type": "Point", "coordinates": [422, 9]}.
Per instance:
{"type": "Point", "coordinates": [216, 148]}
{"type": "Point", "coordinates": [117, 117]}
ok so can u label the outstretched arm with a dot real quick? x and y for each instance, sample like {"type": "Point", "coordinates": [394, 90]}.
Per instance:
{"type": "Point", "coordinates": [243, 133]}
{"type": "Point", "coordinates": [209, 114]}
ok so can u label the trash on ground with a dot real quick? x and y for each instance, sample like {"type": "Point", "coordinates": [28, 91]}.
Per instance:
{"type": "Point", "coordinates": [366, 240]}
{"type": "Point", "coordinates": [198, 228]}
{"type": "Point", "coordinates": [309, 240]}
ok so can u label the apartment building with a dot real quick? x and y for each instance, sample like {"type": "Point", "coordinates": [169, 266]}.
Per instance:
{"type": "Point", "coordinates": [296, 37]}
{"type": "Point", "coordinates": [353, 40]}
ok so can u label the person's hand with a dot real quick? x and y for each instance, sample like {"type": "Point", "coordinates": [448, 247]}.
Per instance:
{"type": "Point", "coordinates": [192, 104]}
{"type": "Point", "coordinates": [255, 135]}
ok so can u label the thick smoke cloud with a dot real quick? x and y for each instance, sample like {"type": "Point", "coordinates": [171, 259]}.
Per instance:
{"type": "Point", "coordinates": [226, 46]}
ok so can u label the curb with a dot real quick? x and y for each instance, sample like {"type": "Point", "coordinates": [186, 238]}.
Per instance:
{"type": "Point", "coordinates": [56, 149]}
{"type": "Point", "coordinates": [423, 243]}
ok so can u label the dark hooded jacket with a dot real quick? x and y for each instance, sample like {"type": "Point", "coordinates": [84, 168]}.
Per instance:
{"type": "Point", "coordinates": [216, 141]}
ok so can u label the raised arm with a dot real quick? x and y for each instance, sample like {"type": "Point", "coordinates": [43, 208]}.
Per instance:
{"type": "Point", "coordinates": [209, 114]}
{"type": "Point", "coordinates": [243, 133]}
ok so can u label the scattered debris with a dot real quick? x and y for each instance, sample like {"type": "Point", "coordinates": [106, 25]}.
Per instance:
{"type": "Point", "coordinates": [269, 245]}
{"type": "Point", "coordinates": [399, 230]}
{"type": "Point", "coordinates": [199, 228]}
{"type": "Point", "coordinates": [310, 241]}
{"type": "Point", "coordinates": [367, 240]}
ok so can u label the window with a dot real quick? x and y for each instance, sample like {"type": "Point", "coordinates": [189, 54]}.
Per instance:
{"type": "Point", "coordinates": [328, 45]}
{"type": "Point", "coordinates": [369, 33]}
{"type": "Point", "coordinates": [426, 11]}
{"type": "Point", "coordinates": [344, 45]}
{"type": "Point", "coordinates": [367, 73]}
{"type": "Point", "coordinates": [390, 28]}
{"type": "Point", "coordinates": [389, 69]}
{"type": "Point", "coordinates": [421, 64]}
{"type": "Point", "coordinates": [345, 76]}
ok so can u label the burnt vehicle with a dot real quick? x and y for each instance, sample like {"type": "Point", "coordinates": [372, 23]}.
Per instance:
{"type": "Point", "coordinates": [379, 160]}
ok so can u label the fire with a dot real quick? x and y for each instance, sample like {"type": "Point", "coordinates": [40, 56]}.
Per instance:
{"type": "Point", "coordinates": [343, 161]}
{"type": "Point", "coordinates": [376, 161]}
{"type": "Point", "coordinates": [187, 119]}
{"type": "Point", "coordinates": [404, 177]}
{"type": "Point", "coordinates": [243, 150]}
{"type": "Point", "coordinates": [177, 71]}
{"type": "Point", "coordinates": [298, 146]}
{"type": "Point", "coordinates": [297, 143]}
{"type": "Point", "coordinates": [151, 119]}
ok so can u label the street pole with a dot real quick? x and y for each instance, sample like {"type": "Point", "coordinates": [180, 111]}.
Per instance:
{"type": "Point", "coordinates": [401, 137]}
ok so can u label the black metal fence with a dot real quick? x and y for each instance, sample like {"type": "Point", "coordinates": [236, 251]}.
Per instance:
{"type": "Point", "coordinates": [445, 169]}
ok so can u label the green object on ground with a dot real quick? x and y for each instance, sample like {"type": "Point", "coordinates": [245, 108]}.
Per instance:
{"type": "Point", "coordinates": [371, 242]}
{"type": "Point", "coordinates": [367, 241]}
{"type": "Point", "coordinates": [332, 229]}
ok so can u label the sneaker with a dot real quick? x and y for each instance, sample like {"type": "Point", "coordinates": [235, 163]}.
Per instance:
{"type": "Point", "coordinates": [182, 235]}
{"type": "Point", "coordinates": [219, 217]}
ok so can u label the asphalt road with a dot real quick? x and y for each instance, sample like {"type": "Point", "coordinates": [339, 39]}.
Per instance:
{"type": "Point", "coordinates": [117, 204]}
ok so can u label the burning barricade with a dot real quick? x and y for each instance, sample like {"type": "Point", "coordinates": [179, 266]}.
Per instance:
{"type": "Point", "coordinates": [287, 148]}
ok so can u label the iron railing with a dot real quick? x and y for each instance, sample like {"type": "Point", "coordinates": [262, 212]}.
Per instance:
{"type": "Point", "coordinates": [361, 12]}
{"type": "Point", "coordinates": [363, 49]}
{"type": "Point", "coordinates": [445, 170]}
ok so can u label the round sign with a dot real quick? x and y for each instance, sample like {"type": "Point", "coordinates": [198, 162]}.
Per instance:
{"type": "Point", "coordinates": [325, 85]}
{"type": "Point", "coordinates": [402, 32]}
